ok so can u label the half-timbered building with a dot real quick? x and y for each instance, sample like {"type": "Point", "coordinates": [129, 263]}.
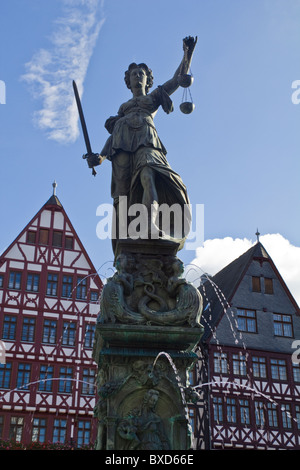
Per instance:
{"type": "Point", "coordinates": [49, 292]}
{"type": "Point", "coordinates": [248, 372]}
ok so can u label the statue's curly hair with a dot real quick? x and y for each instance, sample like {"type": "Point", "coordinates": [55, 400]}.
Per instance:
{"type": "Point", "coordinates": [148, 73]}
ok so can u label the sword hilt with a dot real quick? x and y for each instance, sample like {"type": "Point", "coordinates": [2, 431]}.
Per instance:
{"type": "Point", "coordinates": [87, 155]}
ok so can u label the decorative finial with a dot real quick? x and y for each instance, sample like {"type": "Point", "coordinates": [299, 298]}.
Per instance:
{"type": "Point", "coordinates": [54, 185]}
{"type": "Point", "coordinates": [257, 235]}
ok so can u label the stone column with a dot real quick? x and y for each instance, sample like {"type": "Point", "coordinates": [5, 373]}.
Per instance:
{"type": "Point", "coordinates": [147, 332]}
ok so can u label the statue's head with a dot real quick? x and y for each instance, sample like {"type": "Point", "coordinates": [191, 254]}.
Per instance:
{"type": "Point", "coordinates": [148, 73]}
{"type": "Point", "coordinates": [150, 398]}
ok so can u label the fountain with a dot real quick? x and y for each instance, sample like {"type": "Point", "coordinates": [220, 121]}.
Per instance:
{"type": "Point", "coordinates": [149, 321]}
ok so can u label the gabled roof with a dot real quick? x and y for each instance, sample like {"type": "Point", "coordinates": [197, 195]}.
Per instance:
{"type": "Point", "coordinates": [218, 290]}
{"type": "Point", "coordinates": [53, 203]}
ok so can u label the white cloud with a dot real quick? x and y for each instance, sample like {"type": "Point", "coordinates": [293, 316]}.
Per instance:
{"type": "Point", "coordinates": [217, 253]}
{"type": "Point", "coordinates": [51, 71]}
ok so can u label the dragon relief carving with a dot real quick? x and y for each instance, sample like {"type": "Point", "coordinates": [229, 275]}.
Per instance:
{"type": "Point", "coordinates": [150, 291]}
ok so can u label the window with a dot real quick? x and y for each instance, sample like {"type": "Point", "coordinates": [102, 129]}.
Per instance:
{"type": "Point", "coordinates": [259, 414]}
{"type": "Point", "coordinates": [192, 419]}
{"type": "Point", "coordinates": [192, 376]}
{"type": "Point", "coordinates": [89, 335]}
{"type": "Point", "coordinates": [28, 329]}
{"type": "Point", "coordinates": [1, 280]}
{"type": "Point", "coordinates": [246, 320]}
{"type": "Point", "coordinates": [220, 363]}
{"type": "Point", "coordinates": [283, 325]}
{"type": "Point", "coordinates": [81, 289]}
{"type": "Point", "coordinates": [9, 327]}
{"type": "Point", "coordinates": [218, 409]}
{"type": "Point", "coordinates": [88, 382]}
{"type": "Point", "coordinates": [296, 372]}
{"type": "Point", "coordinates": [16, 428]}
{"type": "Point", "coordinates": [49, 331]}
{"type": "Point", "coordinates": [259, 367]}
{"type": "Point", "coordinates": [5, 374]}
{"type": "Point", "coordinates": [52, 281]}
{"type": "Point", "coordinates": [272, 415]}
{"type": "Point", "coordinates": [94, 296]}
{"type": "Point", "coordinates": [268, 285]}
{"type": "Point", "coordinates": [44, 236]}
{"type": "Point", "coordinates": [15, 280]}
{"type": "Point", "coordinates": [286, 416]}
{"type": "Point", "coordinates": [68, 243]}
{"type": "Point", "coordinates": [298, 416]}
{"type": "Point", "coordinates": [231, 410]}
{"type": "Point", "coordinates": [245, 411]}
{"type": "Point", "coordinates": [31, 237]}
{"type": "Point", "coordinates": [33, 281]}
{"type": "Point", "coordinates": [278, 369]}
{"type": "Point", "coordinates": [65, 382]}
{"type": "Point", "coordinates": [23, 377]}
{"type": "Point", "coordinates": [239, 364]}
{"type": "Point", "coordinates": [256, 284]}
{"type": "Point", "coordinates": [67, 286]}
{"type": "Point", "coordinates": [69, 333]}
{"type": "Point", "coordinates": [84, 433]}
{"type": "Point", "coordinates": [59, 430]}
{"type": "Point", "coordinates": [57, 239]}
{"type": "Point", "coordinates": [45, 379]}
{"type": "Point", "coordinates": [38, 430]}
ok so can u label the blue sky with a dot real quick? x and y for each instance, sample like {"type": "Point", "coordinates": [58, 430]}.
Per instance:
{"type": "Point", "coordinates": [238, 152]}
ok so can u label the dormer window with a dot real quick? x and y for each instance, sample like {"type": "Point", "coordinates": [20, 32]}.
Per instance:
{"type": "Point", "coordinates": [268, 285]}
{"type": "Point", "coordinates": [256, 284]}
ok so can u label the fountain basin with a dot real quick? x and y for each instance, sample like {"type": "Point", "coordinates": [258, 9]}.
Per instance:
{"type": "Point", "coordinates": [153, 337]}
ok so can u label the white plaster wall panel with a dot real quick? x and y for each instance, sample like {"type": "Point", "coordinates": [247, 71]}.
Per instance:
{"type": "Point", "coordinates": [17, 264]}
{"type": "Point", "coordinates": [92, 283]}
{"type": "Point", "coordinates": [15, 253]}
{"type": "Point", "coordinates": [34, 267]}
{"type": "Point", "coordinates": [66, 304]}
{"type": "Point", "coordinates": [45, 219]}
{"type": "Point", "coordinates": [29, 251]}
{"type": "Point", "coordinates": [94, 309]}
{"type": "Point", "coordinates": [69, 257]}
{"type": "Point", "coordinates": [3, 267]}
{"type": "Point", "coordinates": [81, 263]}
{"type": "Point", "coordinates": [58, 222]}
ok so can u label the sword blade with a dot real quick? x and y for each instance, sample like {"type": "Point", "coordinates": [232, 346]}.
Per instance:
{"type": "Point", "coordinates": [82, 120]}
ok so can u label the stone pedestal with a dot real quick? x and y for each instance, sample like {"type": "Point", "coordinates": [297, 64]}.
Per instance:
{"type": "Point", "coordinates": [147, 331]}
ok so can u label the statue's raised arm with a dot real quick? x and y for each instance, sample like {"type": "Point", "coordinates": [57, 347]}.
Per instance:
{"type": "Point", "coordinates": [189, 44]}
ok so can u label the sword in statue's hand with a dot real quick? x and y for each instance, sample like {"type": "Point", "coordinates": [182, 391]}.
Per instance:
{"type": "Point", "coordinates": [84, 129]}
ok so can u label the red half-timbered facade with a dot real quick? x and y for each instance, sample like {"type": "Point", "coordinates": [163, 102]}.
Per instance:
{"type": "Point", "coordinates": [49, 302]}
{"type": "Point", "coordinates": [248, 372]}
